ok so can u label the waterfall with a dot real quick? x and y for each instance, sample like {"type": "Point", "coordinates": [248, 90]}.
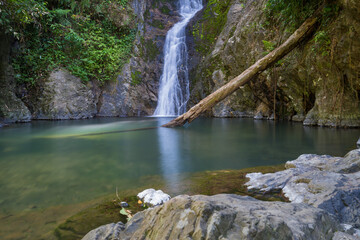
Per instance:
{"type": "Point", "coordinates": [174, 82]}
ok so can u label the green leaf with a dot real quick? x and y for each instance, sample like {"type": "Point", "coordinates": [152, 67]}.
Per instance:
{"type": "Point", "coordinates": [123, 212]}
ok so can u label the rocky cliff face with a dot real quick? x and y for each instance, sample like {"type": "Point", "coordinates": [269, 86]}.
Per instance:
{"type": "Point", "coordinates": [12, 109]}
{"type": "Point", "coordinates": [318, 83]}
{"type": "Point", "coordinates": [135, 92]}
{"type": "Point", "coordinates": [63, 96]}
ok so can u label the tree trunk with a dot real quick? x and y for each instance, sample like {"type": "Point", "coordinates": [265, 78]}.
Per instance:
{"type": "Point", "coordinates": [249, 74]}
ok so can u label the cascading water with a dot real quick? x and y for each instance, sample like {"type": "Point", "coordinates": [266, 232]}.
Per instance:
{"type": "Point", "coordinates": [174, 82]}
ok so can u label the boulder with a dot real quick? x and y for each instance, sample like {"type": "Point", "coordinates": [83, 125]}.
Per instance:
{"type": "Point", "coordinates": [109, 231]}
{"type": "Point", "coordinates": [227, 216]}
{"type": "Point", "coordinates": [64, 96]}
{"type": "Point", "coordinates": [329, 183]}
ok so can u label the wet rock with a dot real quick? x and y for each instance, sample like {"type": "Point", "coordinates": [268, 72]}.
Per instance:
{"type": "Point", "coordinates": [329, 183]}
{"type": "Point", "coordinates": [298, 118]}
{"type": "Point", "coordinates": [64, 96]}
{"type": "Point", "coordinates": [229, 217]}
{"type": "Point", "coordinates": [109, 231]}
{"type": "Point", "coordinates": [124, 204]}
{"type": "Point", "coordinates": [153, 197]}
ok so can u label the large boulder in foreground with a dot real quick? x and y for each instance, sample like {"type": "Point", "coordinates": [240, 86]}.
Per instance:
{"type": "Point", "coordinates": [223, 217]}
{"type": "Point", "coordinates": [64, 96]}
{"type": "Point", "coordinates": [329, 183]}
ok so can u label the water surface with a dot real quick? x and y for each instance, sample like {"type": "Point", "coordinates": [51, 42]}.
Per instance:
{"type": "Point", "coordinates": [44, 164]}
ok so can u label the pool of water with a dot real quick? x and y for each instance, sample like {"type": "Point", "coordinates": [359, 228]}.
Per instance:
{"type": "Point", "coordinates": [44, 163]}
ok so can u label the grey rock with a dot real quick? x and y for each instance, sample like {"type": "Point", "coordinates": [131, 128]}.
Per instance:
{"type": "Point", "coordinates": [124, 204]}
{"type": "Point", "coordinates": [329, 183]}
{"type": "Point", "coordinates": [350, 230]}
{"type": "Point", "coordinates": [229, 217]}
{"type": "Point", "coordinates": [106, 232]}
{"type": "Point", "coordinates": [259, 116]}
{"type": "Point", "coordinates": [12, 109]}
{"type": "Point", "coordinates": [298, 118]}
{"type": "Point", "coordinates": [64, 96]}
{"type": "Point", "coordinates": [344, 236]}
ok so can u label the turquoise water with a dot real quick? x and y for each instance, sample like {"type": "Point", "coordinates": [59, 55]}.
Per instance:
{"type": "Point", "coordinates": [45, 163]}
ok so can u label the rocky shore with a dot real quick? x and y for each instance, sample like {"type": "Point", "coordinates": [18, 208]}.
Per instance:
{"type": "Point", "coordinates": [324, 194]}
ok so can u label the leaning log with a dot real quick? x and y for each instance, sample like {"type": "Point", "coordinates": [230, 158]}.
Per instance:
{"type": "Point", "coordinates": [249, 74]}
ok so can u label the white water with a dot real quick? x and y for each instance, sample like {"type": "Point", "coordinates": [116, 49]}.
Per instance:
{"type": "Point", "coordinates": [174, 82]}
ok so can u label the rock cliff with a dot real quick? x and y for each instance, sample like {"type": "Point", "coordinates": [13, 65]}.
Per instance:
{"type": "Point", "coordinates": [135, 91]}
{"type": "Point", "coordinates": [12, 109]}
{"type": "Point", "coordinates": [318, 83]}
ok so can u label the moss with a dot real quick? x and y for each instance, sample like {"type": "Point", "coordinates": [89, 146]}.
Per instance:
{"type": "Point", "coordinates": [135, 78]}
{"type": "Point", "coordinates": [151, 50]}
{"type": "Point", "coordinates": [164, 9]}
{"type": "Point", "coordinates": [232, 182]}
{"type": "Point", "coordinates": [102, 213]}
{"type": "Point", "coordinates": [208, 28]}
{"type": "Point", "coordinates": [303, 180]}
{"type": "Point", "coordinates": [157, 23]}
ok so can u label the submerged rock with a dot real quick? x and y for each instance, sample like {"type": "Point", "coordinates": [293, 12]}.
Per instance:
{"type": "Point", "coordinates": [153, 197]}
{"type": "Point", "coordinates": [329, 183]}
{"type": "Point", "coordinates": [227, 217]}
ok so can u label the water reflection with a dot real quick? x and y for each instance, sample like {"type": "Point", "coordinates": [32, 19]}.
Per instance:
{"type": "Point", "coordinates": [170, 156]}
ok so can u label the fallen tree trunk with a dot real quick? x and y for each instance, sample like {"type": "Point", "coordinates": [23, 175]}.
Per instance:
{"type": "Point", "coordinates": [211, 100]}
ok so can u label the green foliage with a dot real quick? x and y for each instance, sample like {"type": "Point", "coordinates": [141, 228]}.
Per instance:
{"type": "Point", "coordinates": [322, 43]}
{"type": "Point", "coordinates": [268, 46]}
{"type": "Point", "coordinates": [151, 50]}
{"type": "Point", "coordinates": [80, 39]}
{"type": "Point", "coordinates": [210, 26]}
{"type": "Point", "coordinates": [15, 14]}
{"type": "Point", "coordinates": [290, 13]}
{"type": "Point", "coordinates": [135, 78]}
{"type": "Point", "coordinates": [157, 23]}
{"type": "Point", "coordinates": [164, 9]}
